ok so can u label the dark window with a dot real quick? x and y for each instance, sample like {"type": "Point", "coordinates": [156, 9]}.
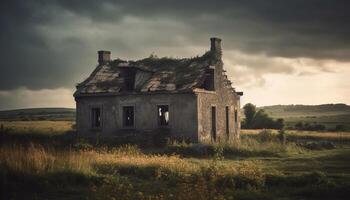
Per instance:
{"type": "Point", "coordinates": [128, 116]}
{"type": "Point", "coordinates": [96, 117]}
{"type": "Point", "coordinates": [236, 117]}
{"type": "Point", "coordinates": [163, 115]}
{"type": "Point", "coordinates": [209, 83]}
{"type": "Point", "coordinates": [129, 79]}
{"type": "Point", "coordinates": [227, 120]}
{"type": "Point", "coordinates": [213, 123]}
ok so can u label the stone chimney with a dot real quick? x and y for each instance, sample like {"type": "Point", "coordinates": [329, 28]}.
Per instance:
{"type": "Point", "coordinates": [215, 47]}
{"type": "Point", "coordinates": [104, 56]}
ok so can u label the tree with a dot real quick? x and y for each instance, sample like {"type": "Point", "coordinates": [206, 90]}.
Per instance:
{"type": "Point", "coordinates": [259, 119]}
{"type": "Point", "coordinates": [279, 124]}
{"type": "Point", "coordinates": [249, 112]}
{"type": "Point", "coordinates": [299, 126]}
{"type": "Point", "coordinates": [262, 120]}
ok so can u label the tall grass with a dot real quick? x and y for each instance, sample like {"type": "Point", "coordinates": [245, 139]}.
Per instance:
{"type": "Point", "coordinates": [35, 159]}
{"type": "Point", "coordinates": [37, 169]}
{"type": "Point", "coordinates": [113, 166]}
{"type": "Point", "coordinates": [265, 143]}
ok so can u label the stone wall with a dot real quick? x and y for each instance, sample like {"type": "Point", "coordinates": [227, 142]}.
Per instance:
{"type": "Point", "coordinates": [220, 98]}
{"type": "Point", "coordinates": [182, 114]}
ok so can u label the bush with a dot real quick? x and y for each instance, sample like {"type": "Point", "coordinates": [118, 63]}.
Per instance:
{"type": "Point", "coordinates": [318, 145]}
{"type": "Point", "coordinates": [309, 127]}
{"type": "Point", "coordinates": [341, 127]}
{"type": "Point", "coordinates": [259, 119]}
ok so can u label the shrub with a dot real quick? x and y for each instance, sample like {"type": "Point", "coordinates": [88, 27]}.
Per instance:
{"type": "Point", "coordinates": [282, 136]}
{"type": "Point", "coordinates": [318, 145]}
{"type": "Point", "coordinates": [309, 127]}
{"type": "Point", "coordinates": [341, 127]}
{"type": "Point", "coordinates": [259, 119]}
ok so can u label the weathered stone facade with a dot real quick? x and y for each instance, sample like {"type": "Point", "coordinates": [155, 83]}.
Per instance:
{"type": "Point", "coordinates": [186, 98]}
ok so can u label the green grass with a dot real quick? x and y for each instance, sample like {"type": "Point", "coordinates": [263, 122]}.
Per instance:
{"type": "Point", "coordinates": [57, 165]}
{"type": "Point", "coordinates": [329, 115]}
{"type": "Point", "coordinates": [31, 114]}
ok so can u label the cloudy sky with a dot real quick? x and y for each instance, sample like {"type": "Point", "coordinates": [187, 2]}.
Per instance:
{"type": "Point", "coordinates": [276, 52]}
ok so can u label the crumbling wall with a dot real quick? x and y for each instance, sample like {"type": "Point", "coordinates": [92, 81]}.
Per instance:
{"type": "Point", "coordinates": [182, 111]}
{"type": "Point", "coordinates": [220, 98]}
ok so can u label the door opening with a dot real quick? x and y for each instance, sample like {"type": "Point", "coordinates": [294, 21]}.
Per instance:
{"type": "Point", "coordinates": [213, 123]}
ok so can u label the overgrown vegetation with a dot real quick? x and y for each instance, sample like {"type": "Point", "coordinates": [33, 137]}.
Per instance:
{"type": "Point", "coordinates": [259, 119]}
{"type": "Point", "coordinates": [263, 165]}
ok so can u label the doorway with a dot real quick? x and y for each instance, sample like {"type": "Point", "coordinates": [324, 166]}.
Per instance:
{"type": "Point", "coordinates": [213, 123]}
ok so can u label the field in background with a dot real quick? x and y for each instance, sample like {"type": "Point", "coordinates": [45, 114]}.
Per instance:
{"type": "Point", "coordinates": [320, 135]}
{"type": "Point", "coordinates": [38, 127]}
{"type": "Point", "coordinates": [329, 115]}
{"type": "Point", "coordinates": [38, 114]}
{"type": "Point", "coordinates": [39, 160]}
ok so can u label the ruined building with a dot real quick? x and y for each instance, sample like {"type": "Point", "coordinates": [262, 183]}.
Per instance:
{"type": "Point", "coordinates": [189, 98]}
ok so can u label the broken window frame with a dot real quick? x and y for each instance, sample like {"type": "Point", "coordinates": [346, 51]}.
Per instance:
{"type": "Point", "coordinates": [160, 124]}
{"type": "Point", "coordinates": [96, 117]}
{"type": "Point", "coordinates": [125, 124]}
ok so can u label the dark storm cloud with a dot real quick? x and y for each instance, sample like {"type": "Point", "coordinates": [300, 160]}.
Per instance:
{"type": "Point", "coordinates": [293, 28]}
{"type": "Point", "coordinates": [42, 47]}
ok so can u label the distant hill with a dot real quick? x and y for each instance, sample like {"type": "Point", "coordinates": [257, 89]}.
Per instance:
{"type": "Point", "coordinates": [329, 115]}
{"type": "Point", "coordinates": [38, 114]}
{"type": "Point", "coordinates": [307, 110]}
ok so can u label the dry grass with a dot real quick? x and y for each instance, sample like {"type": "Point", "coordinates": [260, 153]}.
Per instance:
{"type": "Point", "coordinates": [35, 159]}
{"type": "Point", "coordinates": [127, 173]}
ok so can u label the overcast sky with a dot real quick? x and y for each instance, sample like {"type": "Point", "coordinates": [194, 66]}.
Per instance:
{"type": "Point", "coordinates": [276, 52]}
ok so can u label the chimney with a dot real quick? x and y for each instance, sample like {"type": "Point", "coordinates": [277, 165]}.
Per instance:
{"type": "Point", "coordinates": [215, 46]}
{"type": "Point", "coordinates": [104, 56]}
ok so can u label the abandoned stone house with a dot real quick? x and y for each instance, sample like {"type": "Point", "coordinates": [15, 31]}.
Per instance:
{"type": "Point", "coordinates": [189, 98]}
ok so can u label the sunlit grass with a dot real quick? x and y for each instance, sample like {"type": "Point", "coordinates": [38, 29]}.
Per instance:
{"type": "Point", "coordinates": [259, 166]}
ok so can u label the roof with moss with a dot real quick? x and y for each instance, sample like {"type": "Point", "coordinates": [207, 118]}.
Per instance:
{"type": "Point", "coordinates": [150, 74]}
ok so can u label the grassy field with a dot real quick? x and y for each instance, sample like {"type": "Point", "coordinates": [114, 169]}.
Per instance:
{"type": "Point", "coordinates": [37, 114]}
{"type": "Point", "coordinates": [329, 115]}
{"type": "Point", "coordinates": [44, 160]}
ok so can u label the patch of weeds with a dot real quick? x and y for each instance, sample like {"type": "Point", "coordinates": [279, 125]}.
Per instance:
{"type": "Point", "coordinates": [318, 145]}
{"type": "Point", "coordinates": [82, 145]}
{"type": "Point", "coordinates": [314, 178]}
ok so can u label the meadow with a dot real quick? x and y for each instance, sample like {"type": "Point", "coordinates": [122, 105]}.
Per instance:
{"type": "Point", "coordinates": [45, 160]}
{"type": "Point", "coordinates": [329, 115]}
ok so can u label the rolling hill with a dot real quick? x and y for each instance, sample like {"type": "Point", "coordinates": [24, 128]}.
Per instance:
{"type": "Point", "coordinates": [32, 114]}
{"type": "Point", "coordinates": [329, 115]}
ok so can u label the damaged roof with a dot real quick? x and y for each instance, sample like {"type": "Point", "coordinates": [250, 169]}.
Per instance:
{"type": "Point", "coordinates": [150, 74]}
